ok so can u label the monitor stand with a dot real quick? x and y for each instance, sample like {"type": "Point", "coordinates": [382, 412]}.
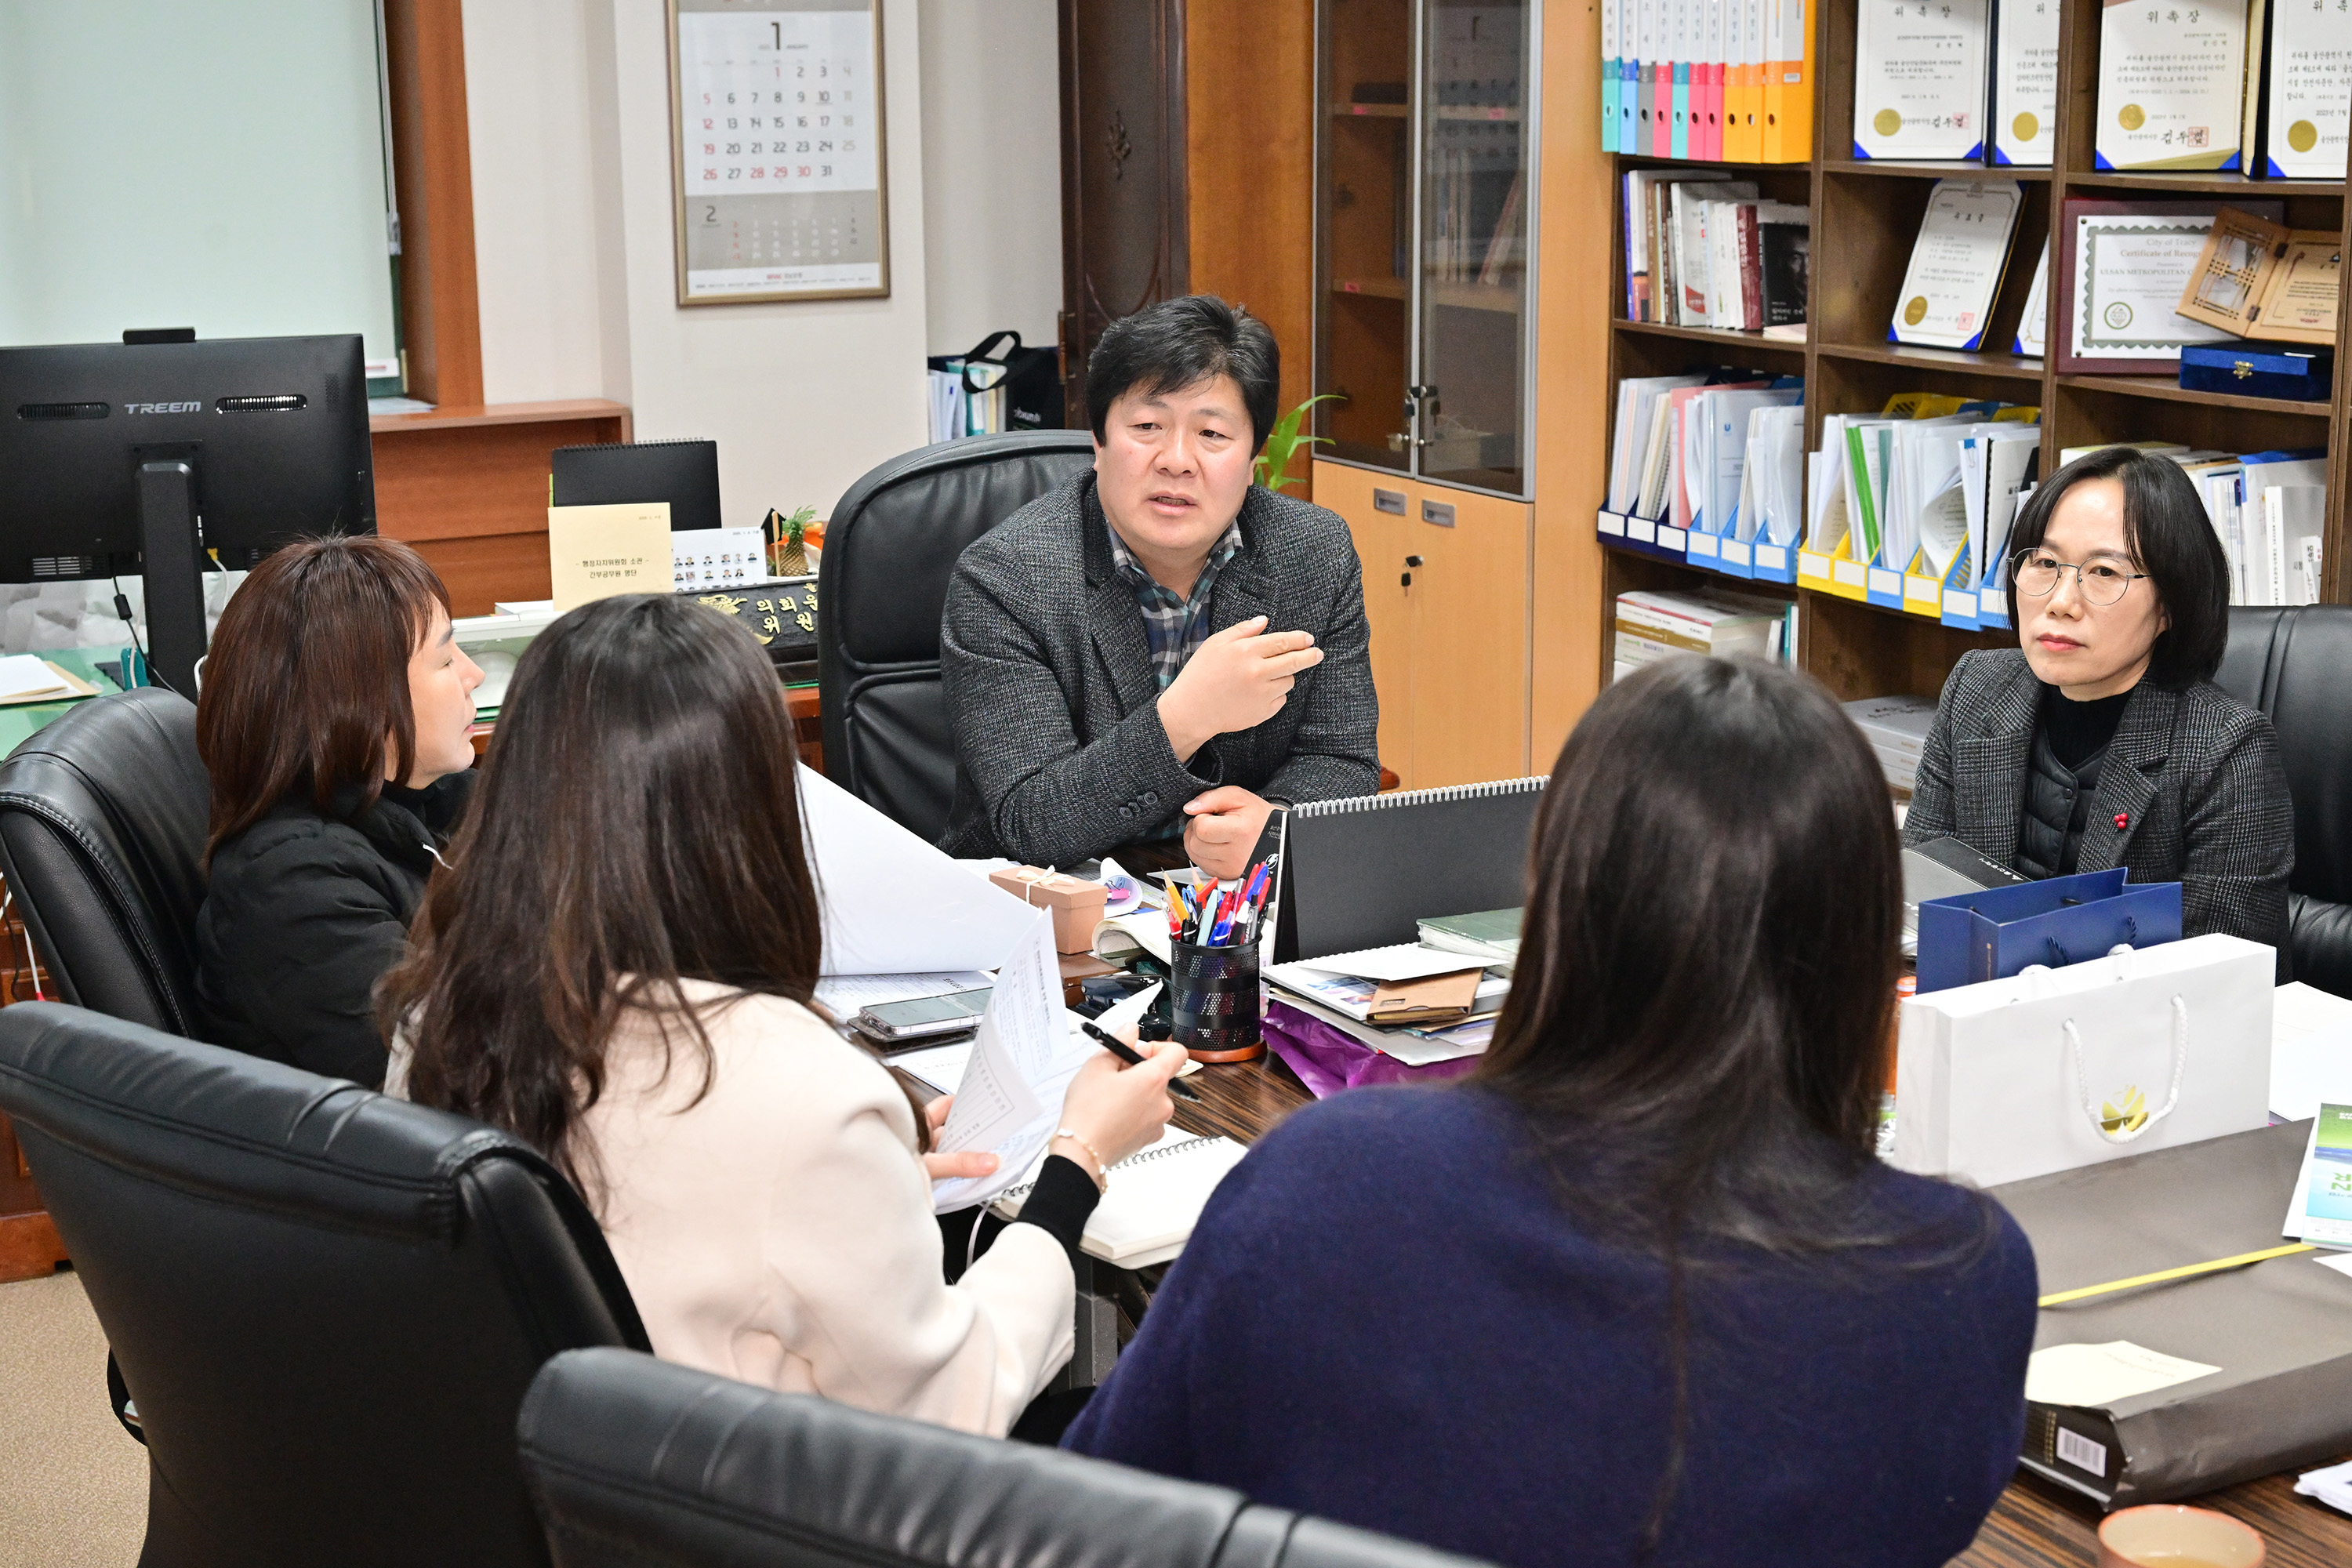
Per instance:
{"type": "Point", "coordinates": [169, 554]}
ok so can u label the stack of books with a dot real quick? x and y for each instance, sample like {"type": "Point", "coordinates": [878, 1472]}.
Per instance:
{"type": "Point", "coordinates": [1651, 626]}
{"type": "Point", "coordinates": [1710, 253]}
{"type": "Point", "coordinates": [1897, 729]}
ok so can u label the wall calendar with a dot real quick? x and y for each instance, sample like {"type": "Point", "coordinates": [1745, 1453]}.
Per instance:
{"type": "Point", "coordinates": [777, 152]}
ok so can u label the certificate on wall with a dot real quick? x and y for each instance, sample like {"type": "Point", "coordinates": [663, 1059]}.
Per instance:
{"type": "Point", "coordinates": [2172, 84]}
{"type": "Point", "coordinates": [2025, 82]}
{"type": "Point", "coordinates": [2126, 266]}
{"type": "Point", "coordinates": [2311, 88]}
{"type": "Point", "coordinates": [777, 153]}
{"type": "Point", "coordinates": [1919, 79]}
{"type": "Point", "coordinates": [1957, 263]}
{"type": "Point", "coordinates": [2033, 321]}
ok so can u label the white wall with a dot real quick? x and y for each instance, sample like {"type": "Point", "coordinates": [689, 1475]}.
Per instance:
{"type": "Point", "coordinates": [991, 170]}
{"type": "Point", "coordinates": [535, 191]}
{"type": "Point", "coordinates": [568, 109]}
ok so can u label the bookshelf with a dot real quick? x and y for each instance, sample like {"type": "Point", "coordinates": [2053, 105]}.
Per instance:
{"type": "Point", "coordinates": [1865, 215]}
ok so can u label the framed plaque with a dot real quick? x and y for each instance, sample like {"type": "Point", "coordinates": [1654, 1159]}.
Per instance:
{"type": "Point", "coordinates": [776, 150]}
{"type": "Point", "coordinates": [2125, 266]}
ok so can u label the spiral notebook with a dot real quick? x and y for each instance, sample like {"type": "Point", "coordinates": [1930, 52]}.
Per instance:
{"type": "Point", "coordinates": [1363, 872]}
{"type": "Point", "coordinates": [1155, 1199]}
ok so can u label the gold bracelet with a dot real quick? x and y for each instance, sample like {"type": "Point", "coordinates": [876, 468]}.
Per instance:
{"type": "Point", "coordinates": [1102, 1166]}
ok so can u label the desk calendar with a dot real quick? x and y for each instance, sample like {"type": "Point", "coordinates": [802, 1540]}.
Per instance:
{"type": "Point", "coordinates": [776, 138]}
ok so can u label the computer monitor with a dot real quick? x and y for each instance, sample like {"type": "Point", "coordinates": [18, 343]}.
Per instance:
{"type": "Point", "coordinates": [141, 457]}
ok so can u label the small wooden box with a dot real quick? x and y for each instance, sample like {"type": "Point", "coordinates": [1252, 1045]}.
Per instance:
{"type": "Point", "coordinates": [1077, 904]}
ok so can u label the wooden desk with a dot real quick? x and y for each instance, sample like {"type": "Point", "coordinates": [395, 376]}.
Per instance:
{"type": "Point", "coordinates": [2035, 1524]}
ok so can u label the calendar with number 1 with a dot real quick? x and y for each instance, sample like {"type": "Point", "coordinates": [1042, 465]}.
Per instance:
{"type": "Point", "coordinates": [782, 183]}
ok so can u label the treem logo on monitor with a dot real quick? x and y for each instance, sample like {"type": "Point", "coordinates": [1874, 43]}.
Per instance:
{"type": "Point", "coordinates": [161, 407]}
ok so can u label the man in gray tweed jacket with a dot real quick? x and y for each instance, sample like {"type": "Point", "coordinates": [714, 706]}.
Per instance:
{"type": "Point", "coordinates": [1160, 649]}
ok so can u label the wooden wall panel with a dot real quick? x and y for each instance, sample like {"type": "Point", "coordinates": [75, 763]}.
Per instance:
{"type": "Point", "coordinates": [1573, 269]}
{"type": "Point", "coordinates": [483, 573]}
{"type": "Point", "coordinates": [1249, 86]}
{"type": "Point", "coordinates": [432, 167]}
{"type": "Point", "coordinates": [469, 488]}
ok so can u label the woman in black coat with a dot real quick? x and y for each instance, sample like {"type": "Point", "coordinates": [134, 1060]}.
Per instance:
{"type": "Point", "coordinates": [335, 720]}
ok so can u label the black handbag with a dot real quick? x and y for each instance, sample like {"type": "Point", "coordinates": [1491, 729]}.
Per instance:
{"type": "Point", "coordinates": [1032, 380]}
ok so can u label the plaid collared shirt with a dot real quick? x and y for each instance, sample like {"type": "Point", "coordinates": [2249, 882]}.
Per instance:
{"type": "Point", "coordinates": [1176, 626]}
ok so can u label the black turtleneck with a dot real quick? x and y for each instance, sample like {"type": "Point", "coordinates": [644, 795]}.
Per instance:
{"type": "Point", "coordinates": [2080, 730]}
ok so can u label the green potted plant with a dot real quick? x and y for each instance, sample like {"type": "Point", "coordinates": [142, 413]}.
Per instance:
{"type": "Point", "coordinates": [1284, 441]}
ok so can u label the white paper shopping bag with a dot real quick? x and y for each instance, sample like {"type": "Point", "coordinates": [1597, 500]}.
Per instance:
{"type": "Point", "coordinates": [2055, 1069]}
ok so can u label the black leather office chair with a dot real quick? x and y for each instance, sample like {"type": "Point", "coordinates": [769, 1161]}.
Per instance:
{"type": "Point", "coordinates": [889, 549]}
{"type": "Point", "coordinates": [103, 822]}
{"type": "Point", "coordinates": [2296, 665]}
{"type": "Point", "coordinates": [635, 1463]}
{"type": "Point", "coordinates": [328, 1304]}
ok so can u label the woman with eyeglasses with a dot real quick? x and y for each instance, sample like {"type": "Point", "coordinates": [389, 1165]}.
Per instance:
{"type": "Point", "coordinates": [2103, 741]}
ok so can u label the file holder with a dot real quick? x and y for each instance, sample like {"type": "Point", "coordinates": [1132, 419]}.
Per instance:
{"type": "Point", "coordinates": [1775, 562]}
{"type": "Point", "coordinates": [1923, 591]}
{"type": "Point", "coordinates": [1960, 601]}
{"type": "Point", "coordinates": [1213, 1002]}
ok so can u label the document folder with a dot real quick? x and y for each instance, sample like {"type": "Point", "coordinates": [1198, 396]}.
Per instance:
{"type": "Point", "coordinates": [2279, 1333]}
{"type": "Point", "coordinates": [1974, 937]}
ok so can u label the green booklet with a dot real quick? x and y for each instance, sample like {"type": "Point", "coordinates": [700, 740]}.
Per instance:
{"type": "Point", "coordinates": [1492, 934]}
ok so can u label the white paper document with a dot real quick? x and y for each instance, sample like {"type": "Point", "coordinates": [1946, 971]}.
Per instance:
{"type": "Point", "coordinates": [941, 1067]}
{"type": "Point", "coordinates": [2033, 324]}
{"type": "Point", "coordinates": [2094, 1377]}
{"type": "Point", "coordinates": [23, 676]}
{"type": "Point", "coordinates": [1022, 1060]}
{"type": "Point", "coordinates": [892, 903]}
{"type": "Point", "coordinates": [1919, 80]}
{"type": "Point", "coordinates": [2025, 83]}
{"type": "Point", "coordinates": [2172, 84]}
{"type": "Point", "coordinates": [1405, 960]}
{"type": "Point", "coordinates": [2310, 91]}
{"type": "Point", "coordinates": [1957, 263]}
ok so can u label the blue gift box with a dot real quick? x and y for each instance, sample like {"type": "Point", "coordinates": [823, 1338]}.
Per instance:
{"type": "Point", "coordinates": [1994, 932]}
{"type": "Point", "coordinates": [2258, 370]}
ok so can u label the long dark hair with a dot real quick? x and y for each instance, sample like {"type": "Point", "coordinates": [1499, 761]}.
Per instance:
{"type": "Point", "coordinates": [1697, 1026]}
{"type": "Point", "coordinates": [637, 824]}
{"type": "Point", "coordinates": [2169, 535]}
{"type": "Point", "coordinates": [305, 688]}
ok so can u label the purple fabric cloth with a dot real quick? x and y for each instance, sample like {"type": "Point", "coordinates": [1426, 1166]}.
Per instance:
{"type": "Point", "coordinates": [1327, 1060]}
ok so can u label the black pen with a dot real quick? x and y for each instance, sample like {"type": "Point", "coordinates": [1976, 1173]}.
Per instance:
{"type": "Point", "coordinates": [1128, 1055]}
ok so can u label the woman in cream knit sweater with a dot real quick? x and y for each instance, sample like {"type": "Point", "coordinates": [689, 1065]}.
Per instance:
{"type": "Point", "coordinates": [762, 1181]}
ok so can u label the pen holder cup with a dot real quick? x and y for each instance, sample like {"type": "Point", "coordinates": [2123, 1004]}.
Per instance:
{"type": "Point", "coordinates": [1213, 1002]}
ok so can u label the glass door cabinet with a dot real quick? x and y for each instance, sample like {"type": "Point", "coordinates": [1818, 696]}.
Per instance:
{"type": "Point", "coordinates": [1425, 194]}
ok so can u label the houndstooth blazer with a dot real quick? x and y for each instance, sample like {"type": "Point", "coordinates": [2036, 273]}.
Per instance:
{"type": "Point", "coordinates": [2191, 791]}
{"type": "Point", "coordinates": [1060, 753]}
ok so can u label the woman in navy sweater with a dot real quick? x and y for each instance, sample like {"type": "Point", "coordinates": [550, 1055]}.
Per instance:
{"type": "Point", "coordinates": [1637, 1291]}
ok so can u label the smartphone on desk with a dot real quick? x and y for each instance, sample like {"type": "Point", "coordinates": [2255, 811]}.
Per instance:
{"type": "Point", "coordinates": [923, 1017]}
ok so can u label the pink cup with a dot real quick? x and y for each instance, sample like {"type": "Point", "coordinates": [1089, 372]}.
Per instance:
{"type": "Point", "coordinates": [2167, 1535]}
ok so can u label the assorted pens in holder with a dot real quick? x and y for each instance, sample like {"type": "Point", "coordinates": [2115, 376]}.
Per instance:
{"type": "Point", "coordinates": [1212, 937]}
{"type": "Point", "coordinates": [1219, 914]}
{"type": "Point", "coordinates": [1213, 1000]}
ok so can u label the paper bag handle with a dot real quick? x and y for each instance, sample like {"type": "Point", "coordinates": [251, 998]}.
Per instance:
{"type": "Point", "coordinates": [2179, 1064]}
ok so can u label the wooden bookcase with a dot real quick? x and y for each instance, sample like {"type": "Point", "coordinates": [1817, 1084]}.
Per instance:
{"type": "Point", "coordinates": [1865, 215]}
